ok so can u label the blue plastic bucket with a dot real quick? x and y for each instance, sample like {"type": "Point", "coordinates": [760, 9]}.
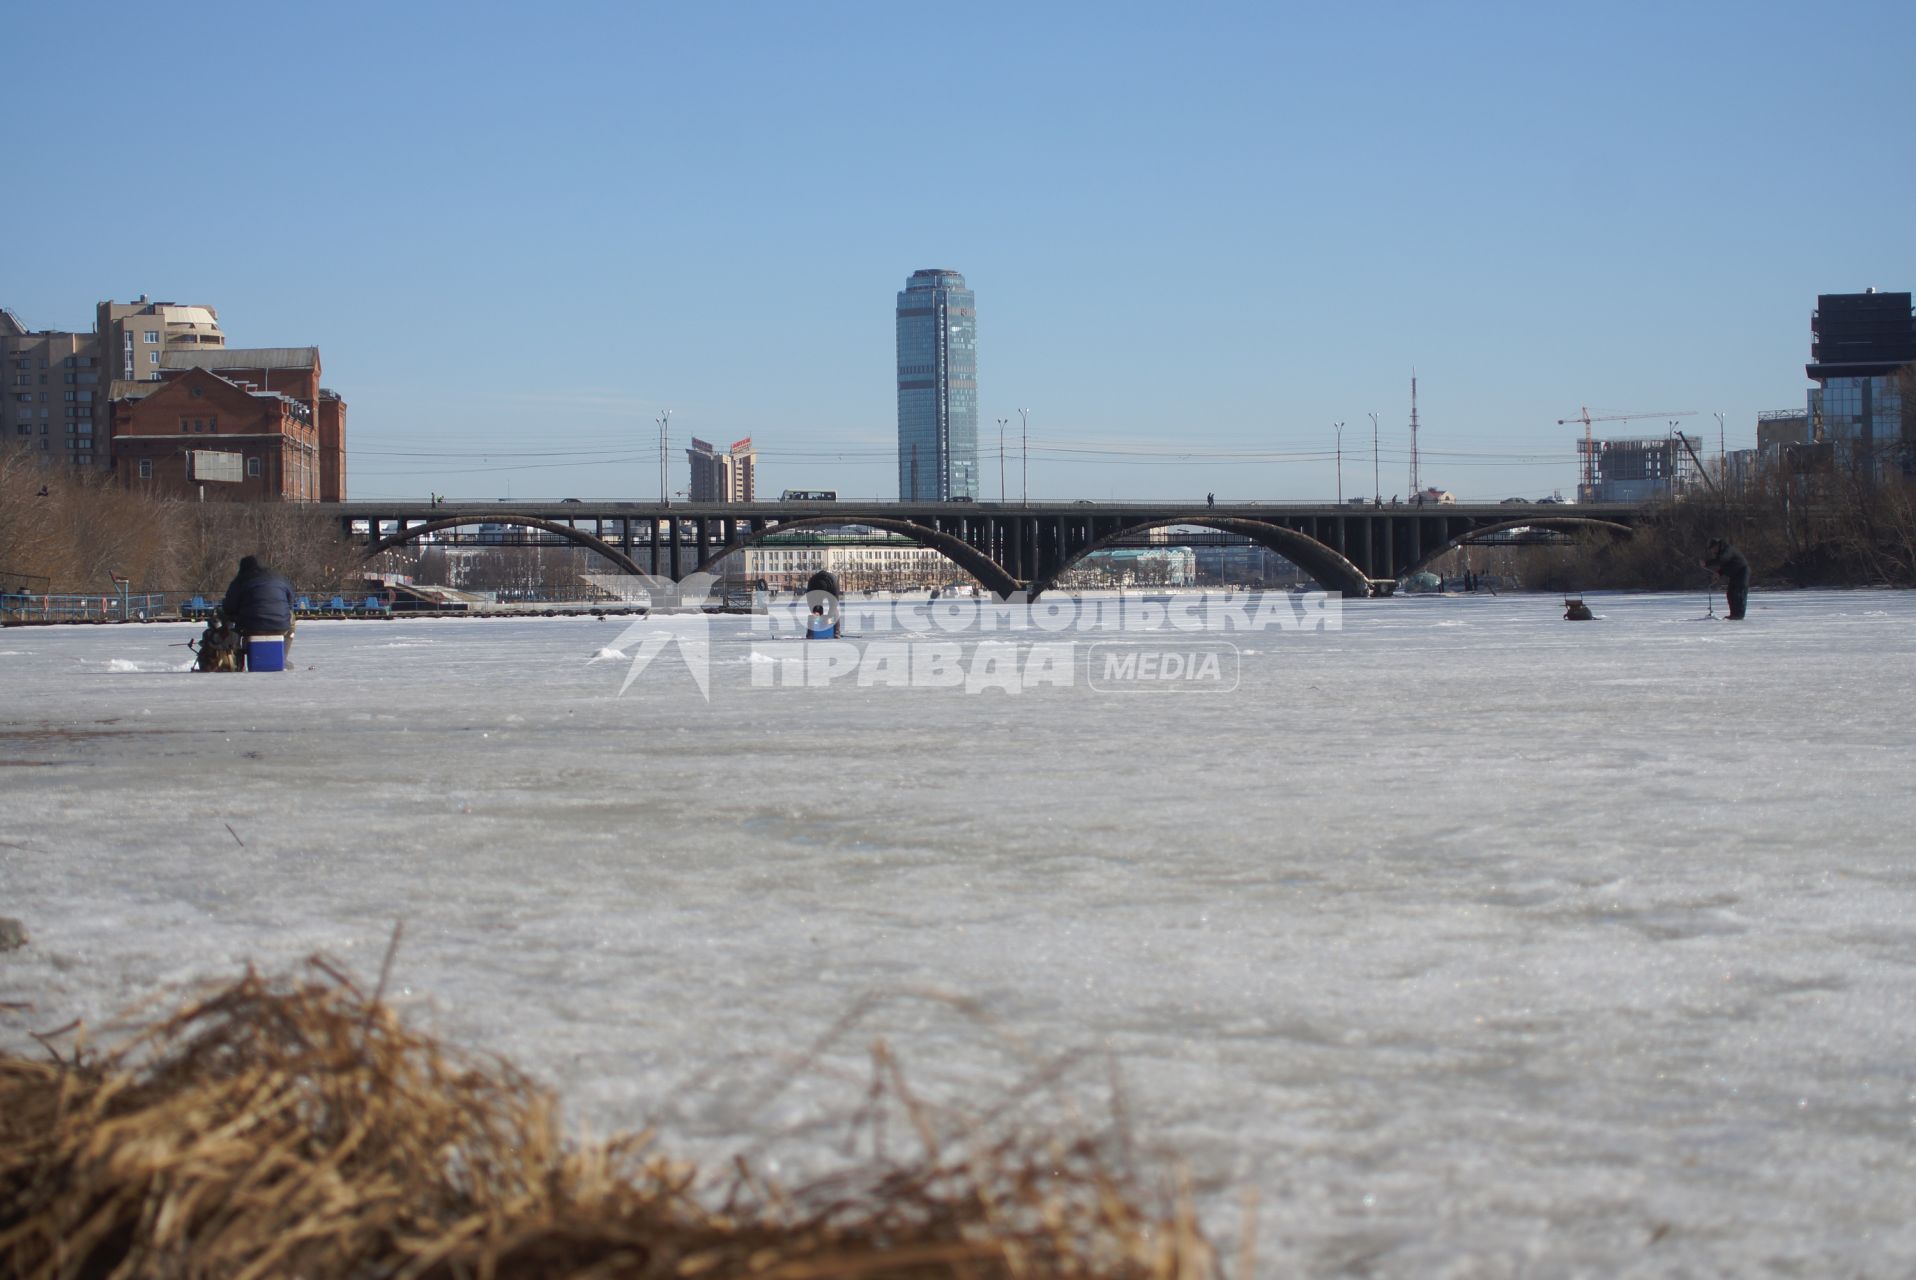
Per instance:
{"type": "Point", "coordinates": [266, 653]}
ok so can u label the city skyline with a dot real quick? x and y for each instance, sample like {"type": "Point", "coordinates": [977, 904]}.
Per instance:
{"type": "Point", "coordinates": [1205, 239]}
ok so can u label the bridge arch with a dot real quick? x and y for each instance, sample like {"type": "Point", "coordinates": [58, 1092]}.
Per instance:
{"type": "Point", "coordinates": [1572, 524]}
{"type": "Point", "coordinates": [413, 533]}
{"type": "Point", "coordinates": [1328, 567]}
{"type": "Point", "coordinates": [961, 553]}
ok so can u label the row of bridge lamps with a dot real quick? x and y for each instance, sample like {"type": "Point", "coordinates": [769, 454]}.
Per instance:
{"type": "Point", "coordinates": [1376, 472]}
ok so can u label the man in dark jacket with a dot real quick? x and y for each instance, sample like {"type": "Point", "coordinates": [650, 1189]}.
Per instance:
{"type": "Point", "coordinates": [1727, 563]}
{"type": "Point", "coordinates": [259, 602]}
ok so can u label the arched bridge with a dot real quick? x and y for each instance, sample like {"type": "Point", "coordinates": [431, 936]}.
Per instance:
{"type": "Point", "coordinates": [1354, 548]}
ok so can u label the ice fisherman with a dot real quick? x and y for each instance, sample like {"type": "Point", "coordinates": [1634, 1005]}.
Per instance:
{"type": "Point", "coordinates": [1727, 563]}
{"type": "Point", "coordinates": [821, 591]}
{"type": "Point", "coordinates": [259, 601]}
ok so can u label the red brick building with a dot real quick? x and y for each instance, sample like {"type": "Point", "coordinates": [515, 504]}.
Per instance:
{"type": "Point", "coordinates": [187, 434]}
{"type": "Point", "coordinates": [282, 373]}
{"type": "Point", "coordinates": [331, 417]}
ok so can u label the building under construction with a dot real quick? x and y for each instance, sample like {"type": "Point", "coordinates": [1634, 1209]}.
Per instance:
{"type": "Point", "coordinates": [1640, 470]}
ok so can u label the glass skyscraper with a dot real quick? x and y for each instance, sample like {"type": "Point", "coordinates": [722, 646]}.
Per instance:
{"type": "Point", "coordinates": [1859, 342]}
{"type": "Point", "coordinates": [937, 389]}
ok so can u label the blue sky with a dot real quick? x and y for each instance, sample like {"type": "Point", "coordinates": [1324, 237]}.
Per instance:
{"type": "Point", "coordinates": [517, 234]}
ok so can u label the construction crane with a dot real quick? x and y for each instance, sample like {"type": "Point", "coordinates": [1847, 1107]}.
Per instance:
{"type": "Point", "coordinates": [1588, 488]}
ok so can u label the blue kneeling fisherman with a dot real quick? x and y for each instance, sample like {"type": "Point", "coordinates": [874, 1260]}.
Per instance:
{"type": "Point", "coordinates": [821, 593]}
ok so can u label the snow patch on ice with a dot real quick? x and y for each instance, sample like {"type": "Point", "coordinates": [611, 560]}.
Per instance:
{"type": "Point", "coordinates": [125, 665]}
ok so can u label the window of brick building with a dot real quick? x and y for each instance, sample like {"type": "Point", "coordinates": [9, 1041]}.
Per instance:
{"type": "Point", "coordinates": [146, 468]}
{"type": "Point", "coordinates": [252, 466]}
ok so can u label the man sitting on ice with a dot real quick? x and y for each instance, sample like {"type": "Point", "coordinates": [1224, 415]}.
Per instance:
{"type": "Point", "coordinates": [259, 602]}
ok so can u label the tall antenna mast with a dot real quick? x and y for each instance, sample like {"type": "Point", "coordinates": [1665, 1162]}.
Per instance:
{"type": "Point", "coordinates": [1416, 481]}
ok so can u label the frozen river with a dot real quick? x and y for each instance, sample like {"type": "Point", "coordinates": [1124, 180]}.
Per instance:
{"type": "Point", "coordinates": [1475, 942]}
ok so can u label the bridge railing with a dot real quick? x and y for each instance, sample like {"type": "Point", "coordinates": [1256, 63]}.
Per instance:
{"type": "Point", "coordinates": [583, 512]}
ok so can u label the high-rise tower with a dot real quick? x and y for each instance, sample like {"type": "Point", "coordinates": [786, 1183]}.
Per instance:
{"type": "Point", "coordinates": [723, 477]}
{"type": "Point", "coordinates": [1858, 343]}
{"type": "Point", "coordinates": [937, 389]}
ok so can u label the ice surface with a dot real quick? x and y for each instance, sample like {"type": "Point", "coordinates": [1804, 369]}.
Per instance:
{"type": "Point", "coordinates": [1477, 942]}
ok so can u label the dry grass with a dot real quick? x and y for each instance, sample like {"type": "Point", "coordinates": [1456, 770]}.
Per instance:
{"type": "Point", "coordinates": [86, 526]}
{"type": "Point", "coordinates": [297, 1127]}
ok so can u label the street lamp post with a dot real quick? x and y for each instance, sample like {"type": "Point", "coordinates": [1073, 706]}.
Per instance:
{"type": "Point", "coordinates": [1722, 449]}
{"type": "Point", "coordinates": [665, 419]}
{"type": "Point", "coordinates": [1001, 458]}
{"type": "Point", "coordinates": [1339, 428]}
{"type": "Point", "coordinates": [1376, 477]}
{"type": "Point", "coordinates": [1024, 444]}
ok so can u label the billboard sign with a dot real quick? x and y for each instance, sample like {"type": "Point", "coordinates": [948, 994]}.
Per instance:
{"type": "Point", "coordinates": [213, 464]}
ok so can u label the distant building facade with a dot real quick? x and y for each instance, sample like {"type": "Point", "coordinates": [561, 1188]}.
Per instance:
{"type": "Point", "coordinates": [68, 394]}
{"type": "Point", "coordinates": [1777, 428]}
{"type": "Point", "coordinates": [899, 566]}
{"type": "Point", "coordinates": [202, 434]}
{"type": "Point", "coordinates": [136, 337]}
{"type": "Point", "coordinates": [289, 371]}
{"type": "Point", "coordinates": [51, 380]}
{"type": "Point", "coordinates": [288, 432]}
{"type": "Point", "coordinates": [1152, 566]}
{"type": "Point", "coordinates": [1645, 470]}
{"type": "Point", "coordinates": [731, 476]}
{"type": "Point", "coordinates": [1858, 344]}
{"type": "Point", "coordinates": [1246, 565]}
{"type": "Point", "coordinates": [57, 382]}
{"type": "Point", "coordinates": [937, 388]}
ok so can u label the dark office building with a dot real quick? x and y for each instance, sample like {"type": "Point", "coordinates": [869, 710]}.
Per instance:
{"type": "Point", "coordinates": [1858, 343]}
